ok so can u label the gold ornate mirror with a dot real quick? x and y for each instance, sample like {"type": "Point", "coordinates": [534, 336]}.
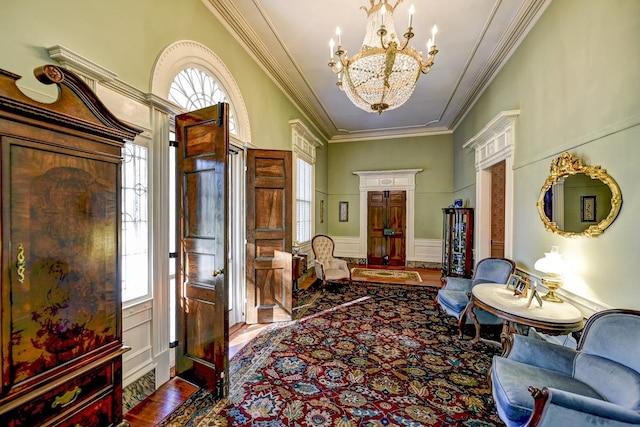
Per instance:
{"type": "Point", "coordinates": [578, 200]}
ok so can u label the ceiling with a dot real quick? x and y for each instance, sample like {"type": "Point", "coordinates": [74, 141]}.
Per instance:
{"type": "Point", "coordinates": [290, 41]}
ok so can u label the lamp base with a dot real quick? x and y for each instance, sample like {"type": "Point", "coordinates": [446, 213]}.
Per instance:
{"type": "Point", "coordinates": [552, 286]}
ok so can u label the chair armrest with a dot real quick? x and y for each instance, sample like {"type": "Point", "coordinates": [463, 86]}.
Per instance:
{"type": "Point", "coordinates": [339, 264]}
{"type": "Point", "coordinates": [342, 265]}
{"type": "Point", "coordinates": [554, 407]}
{"type": "Point", "coordinates": [542, 354]}
{"type": "Point", "coordinates": [319, 266]}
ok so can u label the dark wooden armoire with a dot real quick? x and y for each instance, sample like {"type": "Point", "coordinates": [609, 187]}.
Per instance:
{"type": "Point", "coordinates": [61, 299]}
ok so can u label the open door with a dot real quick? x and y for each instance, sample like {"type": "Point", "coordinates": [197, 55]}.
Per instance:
{"type": "Point", "coordinates": [202, 289]}
{"type": "Point", "coordinates": [269, 216]}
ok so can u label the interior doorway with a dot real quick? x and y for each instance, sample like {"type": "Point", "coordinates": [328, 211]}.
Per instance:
{"type": "Point", "coordinates": [494, 144]}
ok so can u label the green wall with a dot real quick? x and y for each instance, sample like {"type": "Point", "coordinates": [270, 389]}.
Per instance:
{"type": "Point", "coordinates": [434, 185]}
{"type": "Point", "coordinates": [576, 80]}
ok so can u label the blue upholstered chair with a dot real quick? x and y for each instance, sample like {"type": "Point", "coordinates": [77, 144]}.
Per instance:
{"type": "Point", "coordinates": [454, 296]}
{"type": "Point", "coordinates": [544, 384]}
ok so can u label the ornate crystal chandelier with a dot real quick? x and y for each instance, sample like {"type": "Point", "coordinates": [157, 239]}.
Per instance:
{"type": "Point", "coordinates": [384, 73]}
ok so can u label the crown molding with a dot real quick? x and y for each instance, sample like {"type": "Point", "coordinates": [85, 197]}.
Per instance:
{"type": "Point", "coordinates": [231, 18]}
{"type": "Point", "coordinates": [527, 16]}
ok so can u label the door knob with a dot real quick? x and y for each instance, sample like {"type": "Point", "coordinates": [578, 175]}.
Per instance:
{"type": "Point", "coordinates": [216, 273]}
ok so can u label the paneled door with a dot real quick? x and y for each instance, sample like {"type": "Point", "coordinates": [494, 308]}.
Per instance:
{"type": "Point", "coordinates": [202, 290]}
{"type": "Point", "coordinates": [269, 228]}
{"type": "Point", "coordinates": [386, 227]}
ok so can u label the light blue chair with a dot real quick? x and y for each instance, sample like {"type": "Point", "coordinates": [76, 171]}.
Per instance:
{"type": "Point", "coordinates": [454, 296]}
{"type": "Point", "coordinates": [544, 384]}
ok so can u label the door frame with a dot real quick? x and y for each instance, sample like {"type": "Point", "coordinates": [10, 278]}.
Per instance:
{"type": "Point", "coordinates": [401, 179]}
{"type": "Point", "coordinates": [494, 143]}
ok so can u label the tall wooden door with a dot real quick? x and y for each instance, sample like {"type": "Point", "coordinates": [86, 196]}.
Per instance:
{"type": "Point", "coordinates": [497, 208]}
{"type": "Point", "coordinates": [386, 227]}
{"type": "Point", "coordinates": [202, 315]}
{"type": "Point", "coordinates": [269, 216]}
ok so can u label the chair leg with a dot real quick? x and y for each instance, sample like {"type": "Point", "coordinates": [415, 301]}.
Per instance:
{"type": "Point", "coordinates": [462, 321]}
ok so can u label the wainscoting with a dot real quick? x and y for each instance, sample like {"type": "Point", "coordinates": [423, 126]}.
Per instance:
{"type": "Point", "coordinates": [425, 250]}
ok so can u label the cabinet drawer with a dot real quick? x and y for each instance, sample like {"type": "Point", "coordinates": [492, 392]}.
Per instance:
{"type": "Point", "coordinates": [70, 394]}
{"type": "Point", "coordinates": [98, 413]}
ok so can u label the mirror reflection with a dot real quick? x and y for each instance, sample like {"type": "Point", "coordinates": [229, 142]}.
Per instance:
{"type": "Point", "coordinates": [578, 200]}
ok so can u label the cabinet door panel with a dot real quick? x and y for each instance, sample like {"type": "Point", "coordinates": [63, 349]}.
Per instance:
{"type": "Point", "coordinates": [63, 234]}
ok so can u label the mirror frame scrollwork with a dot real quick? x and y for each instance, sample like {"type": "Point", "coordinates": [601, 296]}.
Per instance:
{"type": "Point", "coordinates": [566, 165]}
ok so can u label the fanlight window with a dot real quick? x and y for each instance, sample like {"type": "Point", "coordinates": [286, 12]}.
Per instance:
{"type": "Point", "coordinates": [193, 89]}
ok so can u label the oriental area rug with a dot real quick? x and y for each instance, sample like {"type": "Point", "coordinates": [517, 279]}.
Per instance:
{"type": "Point", "coordinates": [376, 273]}
{"type": "Point", "coordinates": [359, 355]}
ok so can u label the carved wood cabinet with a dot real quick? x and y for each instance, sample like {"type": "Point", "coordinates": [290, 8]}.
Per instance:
{"type": "Point", "coordinates": [457, 242]}
{"type": "Point", "coordinates": [61, 306]}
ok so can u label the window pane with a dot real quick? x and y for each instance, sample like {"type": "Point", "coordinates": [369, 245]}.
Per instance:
{"type": "Point", "coordinates": [303, 201]}
{"type": "Point", "coordinates": [135, 232]}
{"type": "Point", "coordinates": [194, 89]}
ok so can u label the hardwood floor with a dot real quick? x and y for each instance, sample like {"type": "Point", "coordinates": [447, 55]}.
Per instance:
{"type": "Point", "coordinates": [161, 403]}
{"type": "Point", "coordinates": [170, 395]}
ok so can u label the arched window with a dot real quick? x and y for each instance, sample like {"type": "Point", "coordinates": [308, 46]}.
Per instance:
{"type": "Point", "coordinates": [193, 89]}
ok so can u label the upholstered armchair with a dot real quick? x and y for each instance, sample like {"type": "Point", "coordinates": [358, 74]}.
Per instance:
{"type": "Point", "coordinates": [328, 267]}
{"type": "Point", "coordinates": [544, 384]}
{"type": "Point", "coordinates": [454, 296]}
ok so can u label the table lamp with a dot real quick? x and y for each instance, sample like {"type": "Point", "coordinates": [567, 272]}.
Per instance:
{"type": "Point", "coordinates": [553, 265]}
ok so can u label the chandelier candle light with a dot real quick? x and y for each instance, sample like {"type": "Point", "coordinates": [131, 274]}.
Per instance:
{"type": "Point", "coordinates": [384, 73]}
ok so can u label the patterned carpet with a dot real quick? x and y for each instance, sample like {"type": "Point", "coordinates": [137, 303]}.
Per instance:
{"type": "Point", "coordinates": [360, 355]}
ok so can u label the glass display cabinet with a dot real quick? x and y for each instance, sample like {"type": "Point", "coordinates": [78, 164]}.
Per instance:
{"type": "Point", "coordinates": [457, 242]}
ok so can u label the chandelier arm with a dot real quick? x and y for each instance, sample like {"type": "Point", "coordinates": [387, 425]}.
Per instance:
{"type": "Point", "coordinates": [407, 36]}
{"type": "Point", "coordinates": [382, 32]}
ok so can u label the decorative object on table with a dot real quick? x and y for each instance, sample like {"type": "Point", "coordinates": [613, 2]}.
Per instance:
{"type": "Point", "coordinates": [521, 287]}
{"type": "Point", "coordinates": [295, 247]}
{"type": "Point", "coordinates": [384, 73]}
{"type": "Point", "coordinates": [343, 211]}
{"type": "Point", "coordinates": [513, 281]}
{"type": "Point", "coordinates": [588, 208]}
{"type": "Point", "coordinates": [553, 265]}
{"type": "Point", "coordinates": [533, 292]}
{"type": "Point", "coordinates": [457, 203]}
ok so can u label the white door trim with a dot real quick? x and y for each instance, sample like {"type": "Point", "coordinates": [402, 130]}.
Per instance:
{"type": "Point", "coordinates": [494, 143]}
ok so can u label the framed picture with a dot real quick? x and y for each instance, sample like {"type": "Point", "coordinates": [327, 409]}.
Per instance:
{"type": "Point", "coordinates": [321, 211]}
{"type": "Point", "coordinates": [513, 281]}
{"type": "Point", "coordinates": [588, 208]}
{"type": "Point", "coordinates": [538, 298]}
{"type": "Point", "coordinates": [343, 211]}
{"type": "Point", "coordinates": [534, 293]}
{"type": "Point", "coordinates": [518, 284]}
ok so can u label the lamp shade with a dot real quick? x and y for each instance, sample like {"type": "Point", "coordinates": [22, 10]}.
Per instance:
{"type": "Point", "coordinates": [552, 263]}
